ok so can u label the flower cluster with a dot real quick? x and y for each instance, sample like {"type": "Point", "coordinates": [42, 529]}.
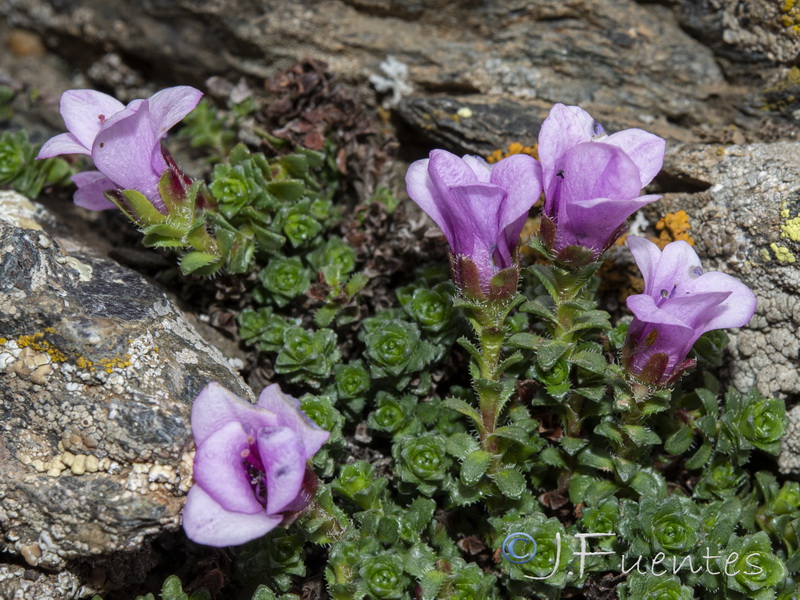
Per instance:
{"type": "Point", "coordinates": [250, 468]}
{"type": "Point", "coordinates": [123, 141]}
{"type": "Point", "coordinates": [591, 183]}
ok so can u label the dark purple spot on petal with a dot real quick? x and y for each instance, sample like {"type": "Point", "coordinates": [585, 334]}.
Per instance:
{"type": "Point", "coordinates": [695, 271]}
{"type": "Point", "coordinates": [102, 118]}
{"type": "Point", "coordinates": [102, 144]}
{"type": "Point", "coordinates": [664, 294]}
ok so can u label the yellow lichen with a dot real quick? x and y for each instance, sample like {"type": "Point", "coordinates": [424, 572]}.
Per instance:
{"type": "Point", "coordinates": [84, 363]}
{"type": "Point", "coordinates": [515, 148]}
{"type": "Point", "coordinates": [791, 229]}
{"type": "Point", "coordinates": [37, 343]}
{"type": "Point", "coordinates": [673, 227]}
{"type": "Point", "coordinates": [116, 362]}
{"type": "Point", "coordinates": [2, 341]}
{"type": "Point", "coordinates": [783, 254]}
{"type": "Point", "coordinates": [791, 15]}
{"type": "Point", "coordinates": [765, 254]}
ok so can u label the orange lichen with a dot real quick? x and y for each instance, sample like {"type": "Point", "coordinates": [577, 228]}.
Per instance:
{"type": "Point", "coordinates": [515, 148]}
{"type": "Point", "coordinates": [673, 227]}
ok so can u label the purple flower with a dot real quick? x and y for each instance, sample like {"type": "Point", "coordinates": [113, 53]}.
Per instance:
{"type": "Point", "coordinates": [592, 181]}
{"type": "Point", "coordinates": [680, 303]}
{"type": "Point", "coordinates": [480, 208]}
{"type": "Point", "coordinates": [123, 141]}
{"type": "Point", "coordinates": [250, 465]}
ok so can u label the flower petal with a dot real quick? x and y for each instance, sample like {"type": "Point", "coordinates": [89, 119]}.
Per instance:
{"type": "Point", "coordinates": [91, 185]}
{"type": "Point", "coordinates": [170, 105]}
{"type": "Point", "coordinates": [421, 190]}
{"type": "Point", "coordinates": [656, 331]}
{"type": "Point", "coordinates": [477, 230]}
{"type": "Point", "coordinates": [696, 310]}
{"type": "Point", "coordinates": [481, 168]}
{"type": "Point", "coordinates": [592, 222]}
{"type": "Point", "coordinates": [678, 267]}
{"type": "Point", "coordinates": [123, 150]}
{"type": "Point", "coordinates": [287, 412]}
{"type": "Point", "coordinates": [220, 470]}
{"type": "Point", "coordinates": [520, 176]}
{"type": "Point", "coordinates": [85, 111]}
{"type": "Point", "coordinates": [206, 522]}
{"type": "Point", "coordinates": [565, 127]}
{"type": "Point", "coordinates": [647, 256]}
{"type": "Point", "coordinates": [646, 150]}
{"type": "Point", "coordinates": [447, 170]}
{"type": "Point", "coordinates": [737, 309]}
{"type": "Point", "coordinates": [64, 143]}
{"type": "Point", "coordinates": [215, 407]}
{"type": "Point", "coordinates": [597, 170]}
{"type": "Point", "coordinates": [283, 456]}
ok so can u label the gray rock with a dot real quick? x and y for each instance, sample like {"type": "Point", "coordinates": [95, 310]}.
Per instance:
{"type": "Point", "coordinates": [755, 31]}
{"type": "Point", "coordinates": [617, 58]}
{"type": "Point", "coordinates": [99, 371]}
{"type": "Point", "coordinates": [789, 459]}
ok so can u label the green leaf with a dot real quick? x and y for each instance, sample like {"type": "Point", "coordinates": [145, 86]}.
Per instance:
{"type": "Point", "coordinates": [641, 435]}
{"type": "Point", "coordinates": [608, 429]}
{"type": "Point", "coordinates": [545, 276]}
{"type": "Point", "coordinates": [430, 584]}
{"type": "Point", "coordinates": [511, 483]}
{"type": "Point", "coordinates": [701, 457]}
{"type": "Point", "coordinates": [419, 559]}
{"type": "Point", "coordinates": [459, 405]}
{"type": "Point", "coordinates": [524, 340]}
{"type": "Point", "coordinates": [143, 210]}
{"type": "Point", "coordinates": [625, 468]}
{"type": "Point", "coordinates": [164, 229]}
{"type": "Point", "coordinates": [474, 466]}
{"type": "Point", "coordinates": [199, 263]}
{"type": "Point", "coordinates": [172, 588]}
{"type": "Point", "coordinates": [537, 308]}
{"type": "Point", "coordinates": [514, 433]}
{"type": "Point", "coordinates": [680, 441]}
{"type": "Point", "coordinates": [461, 444]}
{"type": "Point", "coordinates": [709, 400]}
{"type": "Point", "coordinates": [592, 319]}
{"type": "Point", "coordinates": [288, 191]}
{"type": "Point", "coordinates": [572, 445]}
{"type": "Point", "coordinates": [592, 362]}
{"type": "Point", "coordinates": [550, 352]}
{"type": "Point", "coordinates": [649, 484]}
{"type": "Point", "coordinates": [552, 456]}
{"type": "Point", "coordinates": [599, 459]}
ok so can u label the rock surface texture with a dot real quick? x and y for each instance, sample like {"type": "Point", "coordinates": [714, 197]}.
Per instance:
{"type": "Point", "coordinates": [98, 370]}
{"type": "Point", "coordinates": [625, 62]}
